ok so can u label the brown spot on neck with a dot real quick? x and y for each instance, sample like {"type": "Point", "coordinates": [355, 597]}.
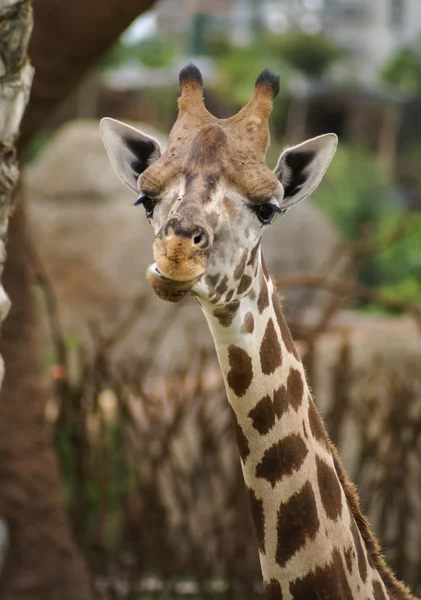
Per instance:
{"type": "Point", "coordinates": [295, 386]}
{"type": "Point", "coordinates": [270, 350]}
{"type": "Point", "coordinates": [242, 442]}
{"type": "Point", "coordinates": [378, 593]}
{"type": "Point", "coordinates": [330, 579]}
{"type": "Point", "coordinates": [239, 269]}
{"type": "Point", "coordinates": [282, 459]}
{"type": "Point", "coordinates": [245, 283]}
{"type": "Point", "coordinates": [253, 254]}
{"type": "Point", "coordinates": [297, 524]}
{"type": "Point", "coordinates": [348, 559]}
{"type": "Point", "coordinates": [361, 558]}
{"type": "Point", "coordinates": [257, 513]}
{"type": "Point", "coordinates": [316, 425]}
{"type": "Point", "coordinates": [222, 286]}
{"type": "Point", "coordinates": [273, 590]}
{"type": "Point", "coordinates": [211, 281]}
{"type": "Point", "coordinates": [280, 401]}
{"type": "Point", "coordinates": [240, 374]}
{"type": "Point", "coordinates": [330, 490]}
{"type": "Point", "coordinates": [263, 299]}
{"type": "Point", "coordinates": [225, 314]}
{"type": "Point", "coordinates": [248, 324]}
{"type": "Point", "coordinates": [263, 415]}
{"type": "Point", "coordinates": [229, 296]}
{"type": "Point", "coordinates": [396, 589]}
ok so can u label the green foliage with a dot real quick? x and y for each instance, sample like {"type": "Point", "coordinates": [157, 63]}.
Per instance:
{"type": "Point", "coordinates": [354, 192]}
{"type": "Point", "coordinates": [154, 52]}
{"type": "Point", "coordinates": [35, 147]}
{"type": "Point", "coordinates": [403, 70]}
{"type": "Point", "coordinates": [239, 67]}
{"type": "Point", "coordinates": [94, 503]}
{"type": "Point", "coordinates": [150, 52]}
{"type": "Point", "coordinates": [355, 195]}
{"type": "Point", "coordinates": [410, 165]}
{"type": "Point", "coordinates": [310, 54]}
{"type": "Point", "coordinates": [400, 262]}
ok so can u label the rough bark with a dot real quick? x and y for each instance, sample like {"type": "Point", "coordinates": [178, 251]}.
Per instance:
{"type": "Point", "coordinates": [42, 561]}
{"type": "Point", "coordinates": [15, 82]}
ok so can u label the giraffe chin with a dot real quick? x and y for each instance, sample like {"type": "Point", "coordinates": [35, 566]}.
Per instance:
{"type": "Point", "coordinates": [166, 288]}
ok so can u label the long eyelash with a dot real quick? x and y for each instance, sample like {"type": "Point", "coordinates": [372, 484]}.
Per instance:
{"type": "Point", "coordinates": [140, 200]}
{"type": "Point", "coordinates": [148, 205]}
{"type": "Point", "coordinates": [255, 207]}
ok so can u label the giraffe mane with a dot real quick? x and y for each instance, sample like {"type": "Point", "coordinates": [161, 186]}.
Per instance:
{"type": "Point", "coordinates": [397, 589]}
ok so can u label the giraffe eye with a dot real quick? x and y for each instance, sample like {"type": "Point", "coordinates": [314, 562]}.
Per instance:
{"type": "Point", "coordinates": [148, 204]}
{"type": "Point", "coordinates": [266, 212]}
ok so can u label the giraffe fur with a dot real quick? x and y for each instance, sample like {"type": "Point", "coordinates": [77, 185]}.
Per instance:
{"type": "Point", "coordinates": [210, 197]}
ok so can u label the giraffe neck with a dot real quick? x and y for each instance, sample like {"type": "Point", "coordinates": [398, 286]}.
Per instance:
{"type": "Point", "coordinates": [303, 507]}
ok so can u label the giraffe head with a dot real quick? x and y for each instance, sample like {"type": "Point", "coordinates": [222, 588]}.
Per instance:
{"type": "Point", "coordinates": [210, 195]}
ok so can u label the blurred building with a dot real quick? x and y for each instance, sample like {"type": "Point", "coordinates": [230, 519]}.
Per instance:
{"type": "Point", "coordinates": [370, 31]}
{"type": "Point", "coordinates": [235, 18]}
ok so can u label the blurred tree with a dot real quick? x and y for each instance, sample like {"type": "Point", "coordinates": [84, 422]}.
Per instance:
{"type": "Point", "coordinates": [16, 75]}
{"type": "Point", "coordinates": [151, 52]}
{"type": "Point", "coordinates": [294, 51]}
{"type": "Point", "coordinates": [238, 68]}
{"type": "Point", "coordinates": [15, 80]}
{"type": "Point", "coordinates": [355, 191]}
{"type": "Point", "coordinates": [42, 561]}
{"type": "Point", "coordinates": [400, 263]}
{"type": "Point", "coordinates": [240, 65]}
{"type": "Point", "coordinates": [403, 70]}
{"type": "Point", "coordinates": [310, 54]}
{"type": "Point", "coordinates": [356, 195]}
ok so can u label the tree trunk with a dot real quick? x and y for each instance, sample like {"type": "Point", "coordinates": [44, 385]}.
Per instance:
{"type": "Point", "coordinates": [15, 81]}
{"type": "Point", "coordinates": [42, 561]}
{"type": "Point", "coordinates": [68, 39]}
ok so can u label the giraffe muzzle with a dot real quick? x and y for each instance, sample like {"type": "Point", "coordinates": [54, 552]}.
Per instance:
{"type": "Point", "coordinates": [181, 253]}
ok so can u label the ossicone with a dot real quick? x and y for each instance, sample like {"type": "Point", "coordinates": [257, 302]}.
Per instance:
{"type": "Point", "coordinates": [190, 75]}
{"type": "Point", "coordinates": [268, 81]}
{"type": "Point", "coordinates": [191, 106]}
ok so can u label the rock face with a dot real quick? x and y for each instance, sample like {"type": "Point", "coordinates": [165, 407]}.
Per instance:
{"type": "Point", "coordinates": [96, 246]}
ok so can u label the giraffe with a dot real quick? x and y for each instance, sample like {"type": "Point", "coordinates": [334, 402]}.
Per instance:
{"type": "Point", "coordinates": [209, 198]}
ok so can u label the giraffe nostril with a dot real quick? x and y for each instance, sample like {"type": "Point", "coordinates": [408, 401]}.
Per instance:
{"type": "Point", "coordinates": [168, 232]}
{"type": "Point", "coordinates": [200, 238]}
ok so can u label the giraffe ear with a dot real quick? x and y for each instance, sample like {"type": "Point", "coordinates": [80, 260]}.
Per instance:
{"type": "Point", "coordinates": [129, 150]}
{"type": "Point", "coordinates": [301, 168]}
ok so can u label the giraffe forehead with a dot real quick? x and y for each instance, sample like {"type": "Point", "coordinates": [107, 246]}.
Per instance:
{"type": "Point", "coordinates": [210, 156]}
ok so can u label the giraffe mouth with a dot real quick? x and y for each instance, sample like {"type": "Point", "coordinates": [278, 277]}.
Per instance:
{"type": "Point", "coordinates": [166, 288]}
